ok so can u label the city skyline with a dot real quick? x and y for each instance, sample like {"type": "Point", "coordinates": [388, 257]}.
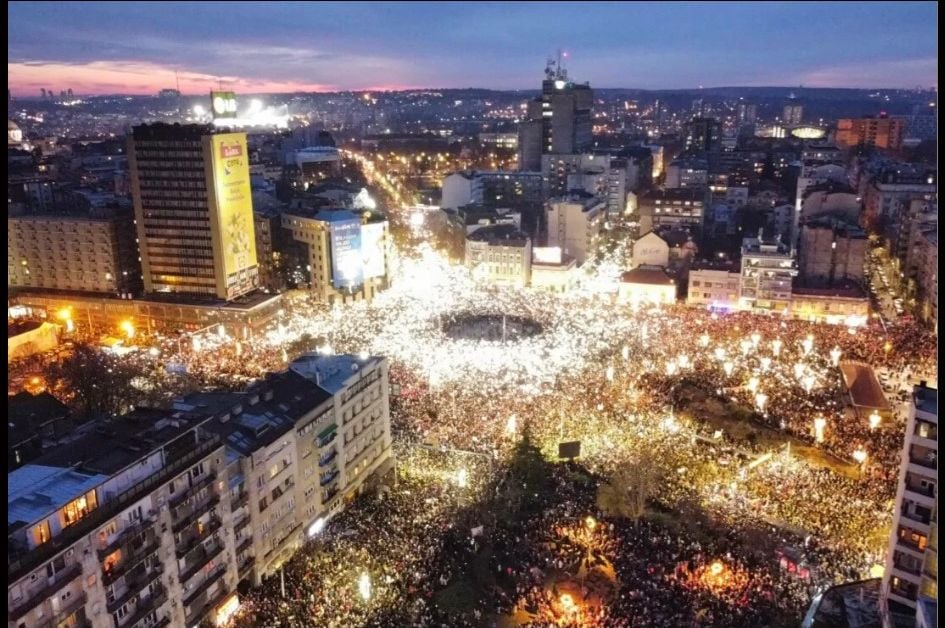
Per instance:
{"type": "Point", "coordinates": [321, 47]}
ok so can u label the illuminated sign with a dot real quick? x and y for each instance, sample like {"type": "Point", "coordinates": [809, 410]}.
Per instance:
{"type": "Point", "coordinates": [347, 265]}
{"type": "Point", "coordinates": [234, 215]}
{"type": "Point", "coordinates": [372, 250]}
{"type": "Point", "coordinates": [223, 104]}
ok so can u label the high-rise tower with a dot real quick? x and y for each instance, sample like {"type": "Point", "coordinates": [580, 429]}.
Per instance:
{"type": "Point", "coordinates": [194, 210]}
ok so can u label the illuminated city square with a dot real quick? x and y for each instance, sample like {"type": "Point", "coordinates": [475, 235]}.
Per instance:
{"type": "Point", "coordinates": [314, 334]}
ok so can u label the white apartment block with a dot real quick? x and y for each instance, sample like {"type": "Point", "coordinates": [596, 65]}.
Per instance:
{"type": "Point", "coordinates": [154, 518]}
{"type": "Point", "coordinates": [911, 568]}
{"type": "Point", "coordinates": [767, 274]}
{"type": "Point", "coordinates": [574, 225]}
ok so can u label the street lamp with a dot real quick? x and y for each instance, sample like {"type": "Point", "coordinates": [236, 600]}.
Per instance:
{"type": "Point", "coordinates": [728, 367]}
{"type": "Point", "coordinates": [510, 425]}
{"type": "Point", "coordinates": [590, 522]}
{"type": "Point", "coordinates": [753, 384]}
{"type": "Point", "coordinates": [776, 347]}
{"type": "Point", "coordinates": [462, 478]}
{"type": "Point", "coordinates": [128, 327]}
{"type": "Point", "coordinates": [875, 420]}
{"type": "Point", "coordinates": [65, 315]}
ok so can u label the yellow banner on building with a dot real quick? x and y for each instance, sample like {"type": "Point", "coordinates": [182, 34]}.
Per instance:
{"type": "Point", "coordinates": [234, 203]}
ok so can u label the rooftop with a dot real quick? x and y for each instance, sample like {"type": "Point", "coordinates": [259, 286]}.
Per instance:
{"type": "Point", "coordinates": [499, 235]}
{"type": "Point", "coordinates": [852, 605]}
{"type": "Point", "coordinates": [860, 381]}
{"type": "Point", "coordinates": [926, 399]}
{"type": "Point", "coordinates": [107, 447]}
{"type": "Point", "coordinates": [331, 372]}
{"type": "Point", "coordinates": [650, 275]}
{"type": "Point", "coordinates": [35, 490]}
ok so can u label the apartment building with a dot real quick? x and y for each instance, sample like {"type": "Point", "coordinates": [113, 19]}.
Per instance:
{"type": "Point", "coordinates": [122, 527]}
{"type": "Point", "coordinates": [911, 562]}
{"type": "Point", "coordinates": [346, 252]}
{"type": "Point", "coordinates": [714, 286]}
{"type": "Point", "coordinates": [574, 224]}
{"type": "Point", "coordinates": [767, 274]}
{"type": "Point", "coordinates": [154, 518]}
{"type": "Point", "coordinates": [499, 255]}
{"type": "Point", "coordinates": [676, 208]}
{"type": "Point", "coordinates": [83, 252]}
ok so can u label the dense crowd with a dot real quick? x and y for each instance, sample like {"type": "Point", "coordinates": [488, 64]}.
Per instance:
{"type": "Point", "coordinates": [619, 381]}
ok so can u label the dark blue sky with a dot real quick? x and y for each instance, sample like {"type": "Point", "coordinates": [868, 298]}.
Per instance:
{"type": "Point", "coordinates": [136, 47]}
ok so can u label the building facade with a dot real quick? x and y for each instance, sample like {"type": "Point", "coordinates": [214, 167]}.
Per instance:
{"type": "Point", "coordinates": [80, 253]}
{"type": "Point", "coordinates": [499, 255]}
{"type": "Point", "coordinates": [194, 210]}
{"type": "Point", "coordinates": [188, 503]}
{"type": "Point", "coordinates": [673, 208]}
{"type": "Point", "coordinates": [908, 575]}
{"type": "Point", "coordinates": [767, 274]}
{"type": "Point", "coordinates": [347, 252]}
{"type": "Point", "coordinates": [714, 288]}
{"type": "Point", "coordinates": [882, 132]}
{"type": "Point", "coordinates": [832, 251]}
{"type": "Point", "coordinates": [574, 225]}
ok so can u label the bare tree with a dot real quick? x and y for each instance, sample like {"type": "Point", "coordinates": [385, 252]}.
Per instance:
{"type": "Point", "coordinates": [626, 493]}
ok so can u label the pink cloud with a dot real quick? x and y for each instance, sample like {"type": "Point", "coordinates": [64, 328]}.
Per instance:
{"type": "Point", "coordinates": [135, 77]}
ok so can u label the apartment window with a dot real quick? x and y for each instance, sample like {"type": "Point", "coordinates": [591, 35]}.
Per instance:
{"type": "Point", "coordinates": [78, 508]}
{"type": "Point", "coordinates": [41, 533]}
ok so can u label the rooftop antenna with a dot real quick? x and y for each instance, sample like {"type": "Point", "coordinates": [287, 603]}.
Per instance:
{"type": "Point", "coordinates": [177, 81]}
{"type": "Point", "coordinates": [549, 72]}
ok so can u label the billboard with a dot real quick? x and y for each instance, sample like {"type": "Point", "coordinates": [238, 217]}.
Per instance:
{"type": "Point", "coordinates": [372, 250]}
{"type": "Point", "coordinates": [234, 205]}
{"type": "Point", "coordinates": [223, 104]}
{"type": "Point", "coordinates": [347, 265]}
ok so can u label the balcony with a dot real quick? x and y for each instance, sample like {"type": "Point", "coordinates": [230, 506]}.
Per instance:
{"type": "Point", "coordinates": [186, 546]}
{"type": "Point", "coordinates": [147, 605]}
{"type": "Point", "coordinates": [329, 478]}
{"type": "Point", "coordinates": [913, 516]}
{"type": "Point", "coordinates": [244, 545]}
{"type": "Point", "coordinates": [202, 589]}
{"type": "Point", "coordinates": [928, 491]}
{"type": "Point", "coordinates": [194, 618]}
{"type": "Point", "coordinates": [201, 557]}
{"type": "Point", "coordinates": [132, 560]}
{"type": "Point", "coordinates": [903, 565]}
{"type": "Point", "coordinates": [245, 565]}
{"type": "Point", "coordinates": [326, 459]}
{"type": "Point", "coordinates": [186, 516]}
{"type": "Point", "coordinates": [192, 490]}
{"type": "Point", "coordinates": [134, 584]}
{"type": "Point", "coordinates": [41, 595]}
{"type": "Point", "coordinates": [127, 535]}
{"type": "Point", "coordinates": [922, 461]}
{"type": "Point", "coordinates": [242, 523]}
{"type": "Point", "coordinates": [239, 501]}
{"type": "Point", "coordinates": [76, 606]}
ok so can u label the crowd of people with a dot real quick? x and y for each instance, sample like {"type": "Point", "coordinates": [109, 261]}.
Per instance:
{"type": "Point", "coordinates": [609, 377]}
